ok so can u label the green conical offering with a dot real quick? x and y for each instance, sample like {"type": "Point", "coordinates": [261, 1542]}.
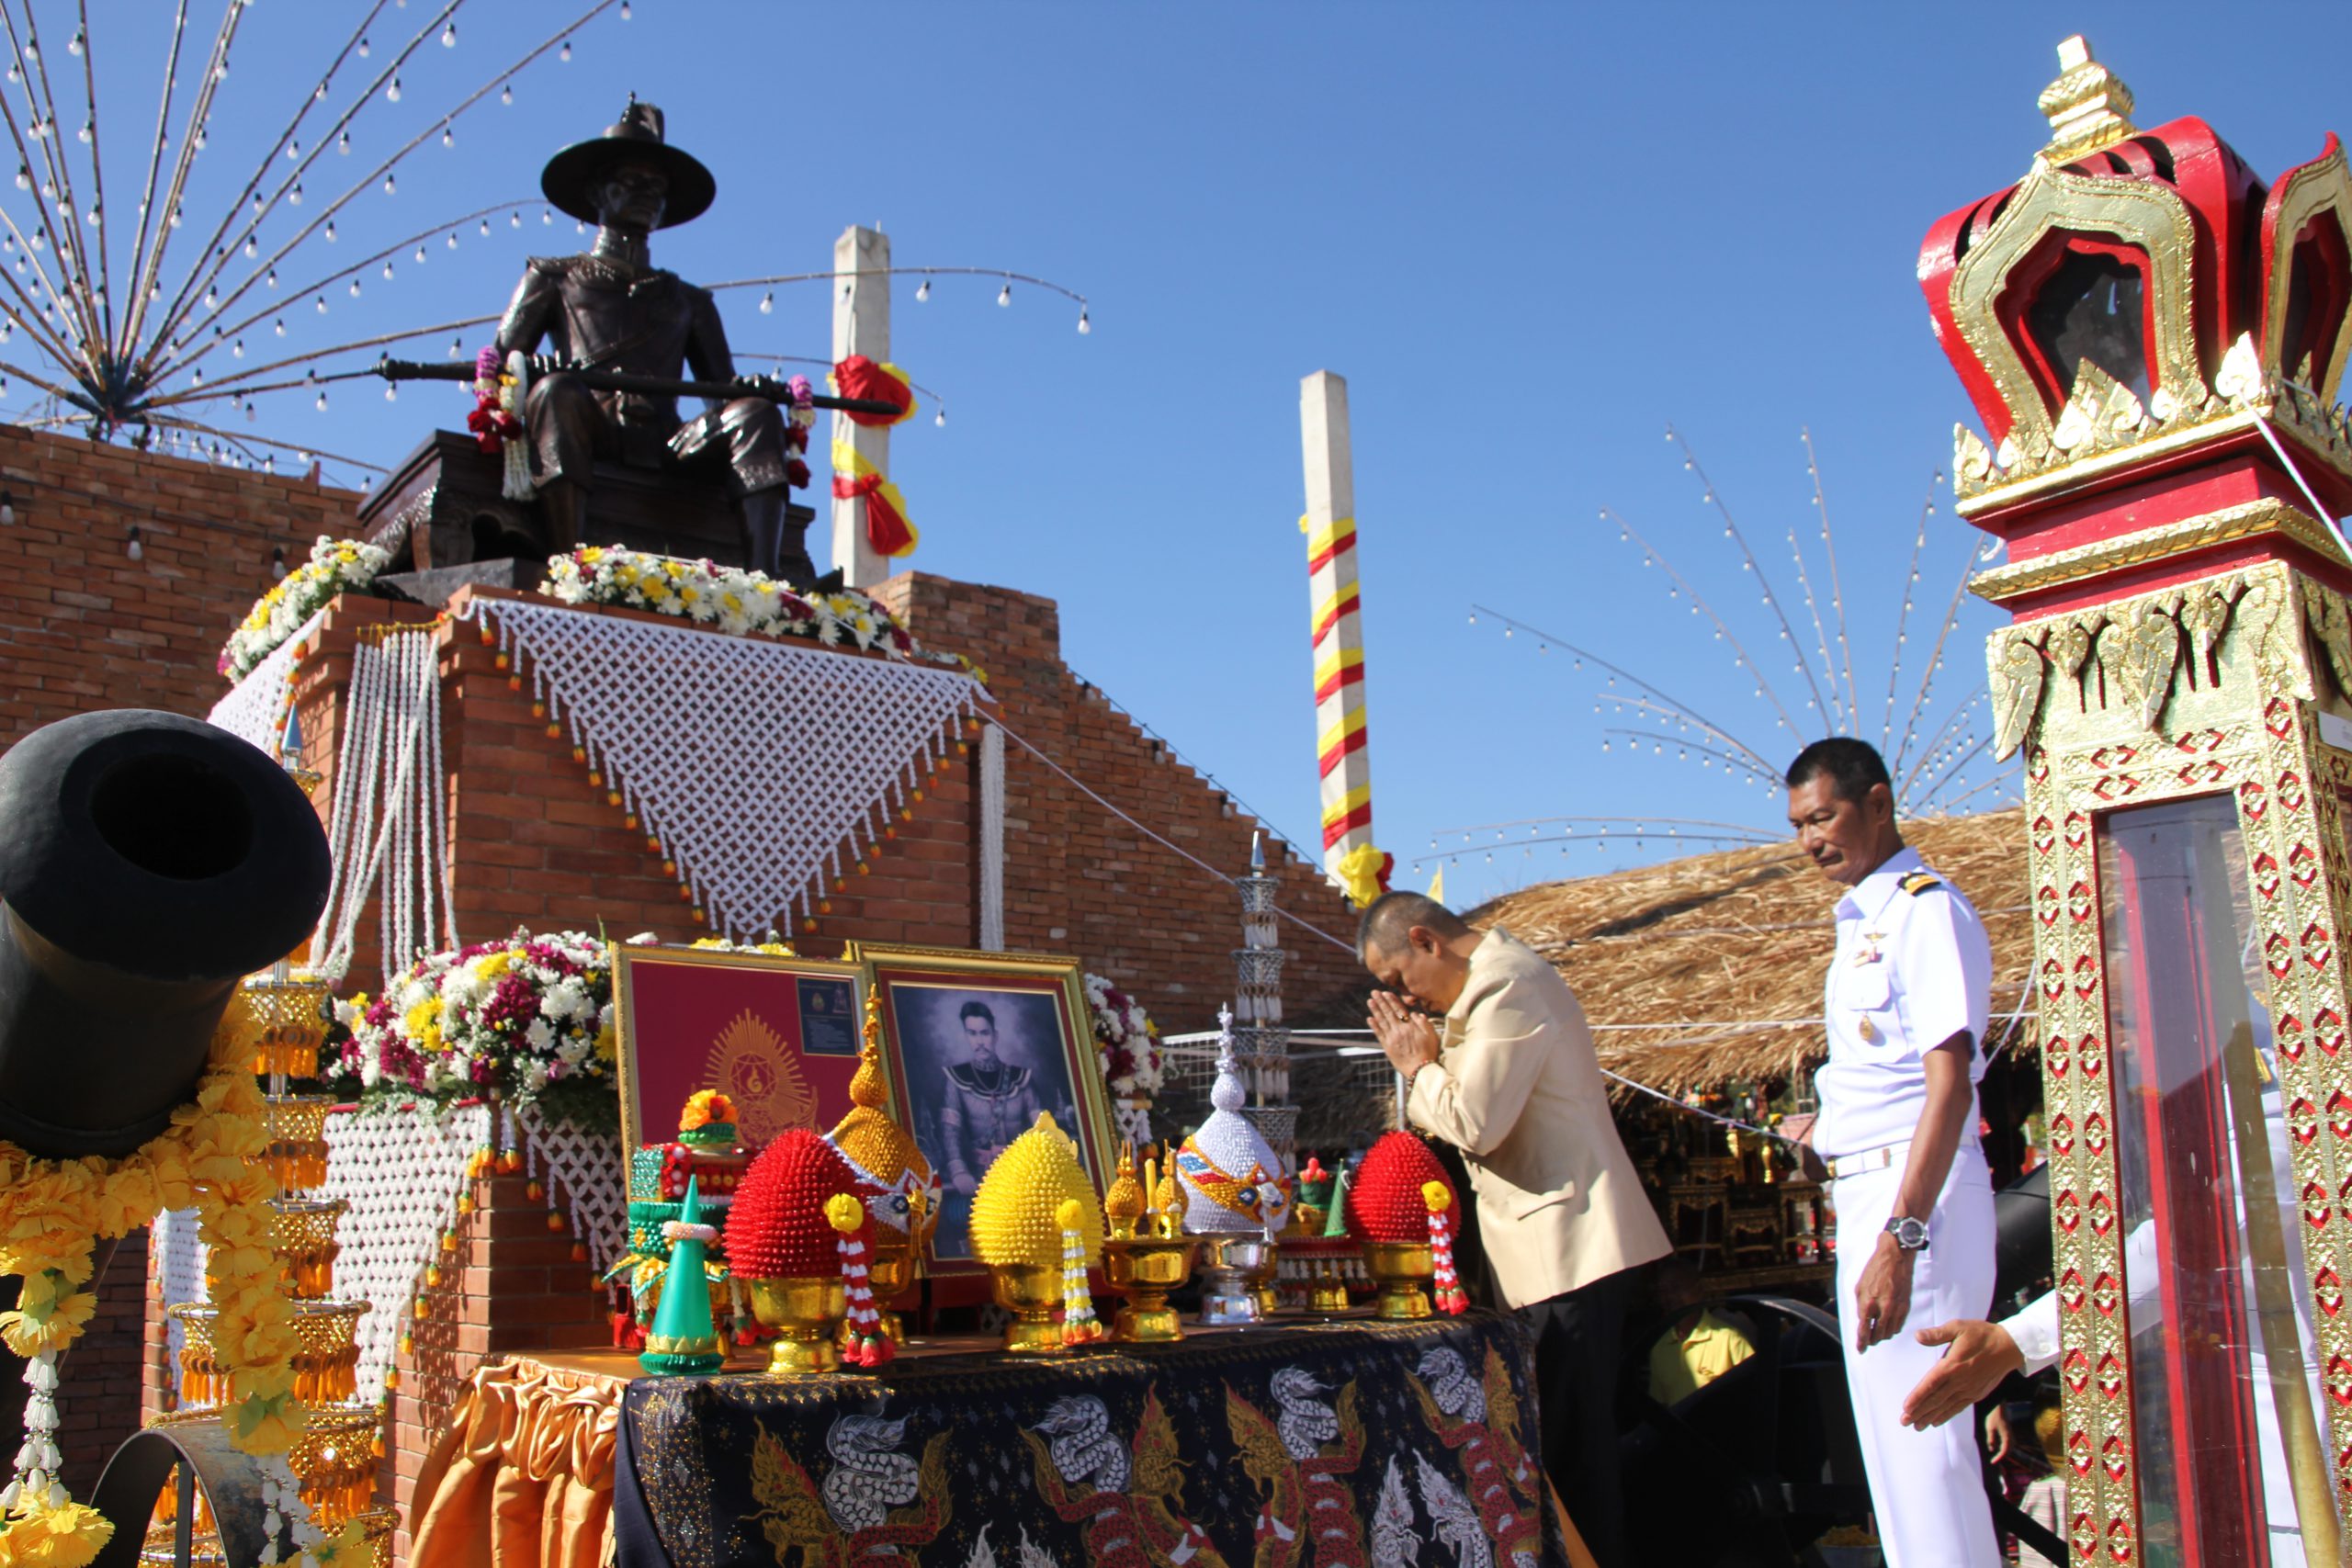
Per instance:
{"type": "Point", "coordinates": [1336, 1222]}
{"type": "Point", "coordinates": [683, 1342]}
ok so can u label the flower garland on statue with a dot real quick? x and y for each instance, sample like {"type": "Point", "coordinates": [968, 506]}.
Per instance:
{"type": "Point", "coordinates": [336, 565]}
{"type": "Point", "coordinates": [53, 1213]}
{"type": "Point", "coordinates": [529, 1017]}
{"type": "Point", "coordinates": [727, 597]}
{"type": "Point", "coordinates": [496, 419]}
{"type": "Point", "coordinates": [1126, 1043]}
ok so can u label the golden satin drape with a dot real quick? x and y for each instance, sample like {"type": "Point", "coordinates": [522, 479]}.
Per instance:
{"type": "Point", "coordinates": [524, 1476]}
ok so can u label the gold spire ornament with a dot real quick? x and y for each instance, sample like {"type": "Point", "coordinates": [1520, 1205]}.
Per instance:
{"type": "Point", "coordinates": [2088, 106]}
{"type": "Point", "coordinates": [903, 1195]}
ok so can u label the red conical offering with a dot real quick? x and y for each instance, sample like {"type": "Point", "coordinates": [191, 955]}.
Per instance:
{"type": "Point", "coordinates": [1385, 1201]}
{"type": "Point", "coordinates": [777, 1228]}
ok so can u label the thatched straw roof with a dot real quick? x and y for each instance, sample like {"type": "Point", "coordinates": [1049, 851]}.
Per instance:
{"type": "Point", "coordinates": [1699, 971]}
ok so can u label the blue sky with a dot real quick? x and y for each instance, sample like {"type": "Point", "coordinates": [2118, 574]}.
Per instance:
{"type": "Point", "coordinates": [1531, 236]}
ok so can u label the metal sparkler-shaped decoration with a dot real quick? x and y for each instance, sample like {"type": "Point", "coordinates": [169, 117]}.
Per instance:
{"type": "Point", "coordinates": [130, 341]}
{"type": "Point", "coordinates": [1931, 751]}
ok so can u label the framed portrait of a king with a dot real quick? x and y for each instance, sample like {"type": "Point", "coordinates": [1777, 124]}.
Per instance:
{"type": "Point", "coordinates": [778, 1035]}
{"type": "Point", "coordinates": [978, 1045]}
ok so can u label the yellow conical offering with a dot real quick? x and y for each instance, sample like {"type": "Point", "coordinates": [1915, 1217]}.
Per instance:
{"type": "Point", "coordinates": [1014, 1219]}
{"type": "Point", "coordinates": [1123, 1204]}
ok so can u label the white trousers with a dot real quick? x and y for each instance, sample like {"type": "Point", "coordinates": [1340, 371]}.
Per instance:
{"type": "Point", "coordinates": [1927, 1488]}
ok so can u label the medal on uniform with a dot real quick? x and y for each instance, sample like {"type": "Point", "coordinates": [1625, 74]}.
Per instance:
{"type": "Point", "coordinates": [1869, 1032]}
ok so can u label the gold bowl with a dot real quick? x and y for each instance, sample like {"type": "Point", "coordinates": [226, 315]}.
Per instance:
{"type": "Point", "coordinates": [1402, 1270]}
{"type": "Point", "coordinates": [297, 1153]}
{"type": "Point", "coordinates": [889, 1274]}
{"type": "Point", "coordinates": [326, 1357]}
{"type": "Point", "coordinates": [806, 1311]}
{"type": "Point", "coordinates": [1146, 1269]}
{"type": "Point", "coordinates": [303, 1235]}
{"type": "Point", "coordinates": [282, 1022]}
{"type": "Point", "coordinates": [1031, 1292]}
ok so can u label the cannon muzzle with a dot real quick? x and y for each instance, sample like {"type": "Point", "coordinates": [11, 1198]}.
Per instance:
{"type": "Point", "coordinates": [147, 863]}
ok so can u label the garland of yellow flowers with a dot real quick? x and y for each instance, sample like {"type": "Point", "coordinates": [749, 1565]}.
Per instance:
{"type": "Point", "coordinates": [53, 1215]}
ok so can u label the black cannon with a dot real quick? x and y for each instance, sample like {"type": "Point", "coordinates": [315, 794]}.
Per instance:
{"type": "Point", "coordinates": [148, 862]}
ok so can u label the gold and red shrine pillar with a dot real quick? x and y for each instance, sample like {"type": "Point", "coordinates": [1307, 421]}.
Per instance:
{"type": "Point", "coordinates": [2154, 340]}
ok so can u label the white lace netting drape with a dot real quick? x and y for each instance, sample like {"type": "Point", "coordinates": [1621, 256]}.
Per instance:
{"type": "Point", "coordinates": [401, 1168]}
{"type": "Point", "coordinates": [762, 767]}
{"type": "Point", "coordinates": [255, 710]}
{"type": "Point", "coordinates": [582, 1171]}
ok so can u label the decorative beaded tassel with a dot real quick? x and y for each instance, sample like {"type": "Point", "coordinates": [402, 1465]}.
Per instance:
{"type": "Point", "coordinates": [1451, 1298]}
{"type": "Point", "coordinates": [515, 483]}
{"type": "Point", "coordinates": [34, 1484]}
{"type": "Point", "coordinates": [866, 1344]}
{"type": "Point", "coordinates": [1080, 1326]}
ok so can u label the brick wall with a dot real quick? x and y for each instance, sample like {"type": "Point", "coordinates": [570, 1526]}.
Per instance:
{"type": "Point", "coordinates": [82, 625]}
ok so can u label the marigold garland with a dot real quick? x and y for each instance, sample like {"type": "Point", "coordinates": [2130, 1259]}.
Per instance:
{"type": "Point", "coordinates": [53, 1214]}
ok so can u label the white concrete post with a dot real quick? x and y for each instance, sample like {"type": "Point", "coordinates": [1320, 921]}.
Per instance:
{"type": "Point", "coordinates": [860, 325]}
{"type": "Point", "coordinates": [1330, 526]}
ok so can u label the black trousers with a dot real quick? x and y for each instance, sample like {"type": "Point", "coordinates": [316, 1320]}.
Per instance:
{"type": "Point", "coordinates": [1577, 1336]}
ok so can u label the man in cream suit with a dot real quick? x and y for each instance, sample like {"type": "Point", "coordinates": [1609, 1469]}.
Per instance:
{"type": "Point", "coordinates": [1513, 1083]}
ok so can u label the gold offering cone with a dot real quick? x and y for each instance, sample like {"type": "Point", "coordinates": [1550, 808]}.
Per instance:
{"type": "Point", "coordinates": [1031, 1292]}
{"type": "Point", "coordinates": [1403, 1271]}
{"type": "Point", "coordinates": [302, 1234]}
{"type": "Point", "coordinates": [326, 1355]}
{"type": "Point", "coordinates": [1146, 1269]}
{"type": "Point", "coordinates": [806, 1312]}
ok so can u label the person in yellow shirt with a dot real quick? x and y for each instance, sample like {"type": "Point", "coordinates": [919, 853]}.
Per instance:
{"type": "Point", "coordinates": [1699, 1346]}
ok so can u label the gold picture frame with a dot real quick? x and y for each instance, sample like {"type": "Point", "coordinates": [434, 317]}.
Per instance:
{"type": "Point", "coordinates": [1027, 1012]}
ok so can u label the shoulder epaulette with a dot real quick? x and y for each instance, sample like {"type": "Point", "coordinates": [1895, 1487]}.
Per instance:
{"type": "Point", "coordinates": [1919, 881]}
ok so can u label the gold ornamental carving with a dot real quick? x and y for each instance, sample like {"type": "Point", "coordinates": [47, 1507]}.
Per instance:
{"type": "Point", "coordinates": [2050, 201]}
{"type": "Point", "coordinates": [2319, 188]}
{"type": "Point", "coordinates": [2237, 656]}
{"type": "Point", "coordinates": [2167, 662]}
{"type": "Point", "coordinates": [2088, 106]}
{"type": "Point", "coordinates": [2003, 583]}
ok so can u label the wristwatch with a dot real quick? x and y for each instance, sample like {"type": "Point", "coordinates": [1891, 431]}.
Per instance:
{"type": "Point", "coordinates": [1910, 1235]}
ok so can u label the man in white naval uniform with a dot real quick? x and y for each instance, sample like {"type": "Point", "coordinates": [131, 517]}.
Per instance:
{"type": "Point", "coordinates": [1907, 1002]}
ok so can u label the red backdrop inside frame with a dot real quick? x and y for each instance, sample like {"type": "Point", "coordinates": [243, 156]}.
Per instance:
{"type": "Point", "coordinates": [778, 1035]}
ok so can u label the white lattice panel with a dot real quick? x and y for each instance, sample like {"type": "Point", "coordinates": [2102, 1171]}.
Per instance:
{"type": "Point", "coordinates": [584, 1173]}
{"type": "Point", "coordinates": [402, 1170]}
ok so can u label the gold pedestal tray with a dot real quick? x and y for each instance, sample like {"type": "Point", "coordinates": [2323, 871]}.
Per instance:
{"type": "Point", "coordinates": [326, 1357]}
{"type": "Point", "coordinates": [282, 1022]}
{"type": "Point", "coordinates": [302, 1233]}
{"type": "Point", "coordinates": [297, 1153]}
{"type": "Point", "coordinates": [890, 1272]}
{"type": "Point", "coordinates": [1146, 1269]}
{"type": "Point", "coordinates": [1031, 1292]}
{"type": "Point", "coordinates": [1403, 1270]}
{"type": "Point", "coordinates": [807, 1312]}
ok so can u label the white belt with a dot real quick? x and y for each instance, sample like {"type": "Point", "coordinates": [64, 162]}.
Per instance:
{"type": "Point", "coordinates": [1868, 1160]}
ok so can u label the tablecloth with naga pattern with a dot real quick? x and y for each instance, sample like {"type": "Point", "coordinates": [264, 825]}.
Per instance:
{"type": "Point", "coordinates": [1317, 1445]}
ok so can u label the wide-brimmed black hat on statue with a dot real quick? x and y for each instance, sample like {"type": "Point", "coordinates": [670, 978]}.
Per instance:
{"type": "Point", "coordinates": [569, 179]}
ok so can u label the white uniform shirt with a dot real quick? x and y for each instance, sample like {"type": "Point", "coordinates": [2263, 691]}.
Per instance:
{"type": "Point", "coordinates": [1913, 969]}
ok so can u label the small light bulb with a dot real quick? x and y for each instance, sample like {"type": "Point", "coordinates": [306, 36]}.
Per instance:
{"type": "Point", "coordinates": [1084, 325]}
{"type": "Point", "coordinates": [448, 136]}
{"type": "Point", "coordinates": [391, 391]}
{"type": "Point", "coordinates": [513, 220]}
{"type": "Point", "coordinates": [457, 348]}
{"type": "Point", "coordinates": [323, 304]}
{"type": "Point", "coordinates": [293, 148]}
{"type": "Point", "coordinates": [564, 55]}
{"type": "Point", "coordinates": [252, 246]}
{"type": "Point", "coordinates": [767, 303]}
{"type": "Point", "coordinates": [389, 185]}
{"type": "Point", "coordinates": [419, 255]}
{"type": "Point", "coordinates": [277, 562]}
{"type": "Point", "coordinates": [281, 326]}
{"type": "Point", "coordinates": [940, 418]}
{"type": "Point", "coordinates": [273, 277]}
{"type": "Point", "coordinates": [343, 144]}
{"type": "Point", "coordinates": [74, 47]}
{"type": "Point", "coordinates": [330, 230]}
{"type": "Point", "coordinates": [8, 509]}
{"type": "Point", "coordinates": [89, 131]}
{"type": "Point", "coordinates": [923, 291]}
{"type": "Point", "coordinates": [295, 196]}
{"type": "Point", "coordinates": [24, 177]}
{"type": "Point", "coordinates": [485, 228]}
{"type": "Point", "coordinates": [355, 288]}
{"type": "Point", "coordinates": [135, 550]}
{"type": "Point", "coordinates": [449, 35]}
{"type": "Point", "coordinates": [1004, 295]}
{"type": "Point", "coordinates": [322, 402]}
{"type": "Point", "coordinates": [211, 296]}
{"type": "Point", "coordinates": [625, 12]}
{"type": "Point", "coordinates": [452, 238]}
{"type": "Point", "coordinates": [366, 48]}
{"type": "Point", "coordinates": [388, 272]}
{"type": "Point", "coordinates": [237, 350]}
{"type": "Point", "coordinates": [547, 215]}
{"type": "Point", "coordinates": [506, 93]}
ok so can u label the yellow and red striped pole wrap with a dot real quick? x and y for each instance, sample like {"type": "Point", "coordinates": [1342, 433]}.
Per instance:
{"type": "Point", "coordinates": [1337, 625]}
